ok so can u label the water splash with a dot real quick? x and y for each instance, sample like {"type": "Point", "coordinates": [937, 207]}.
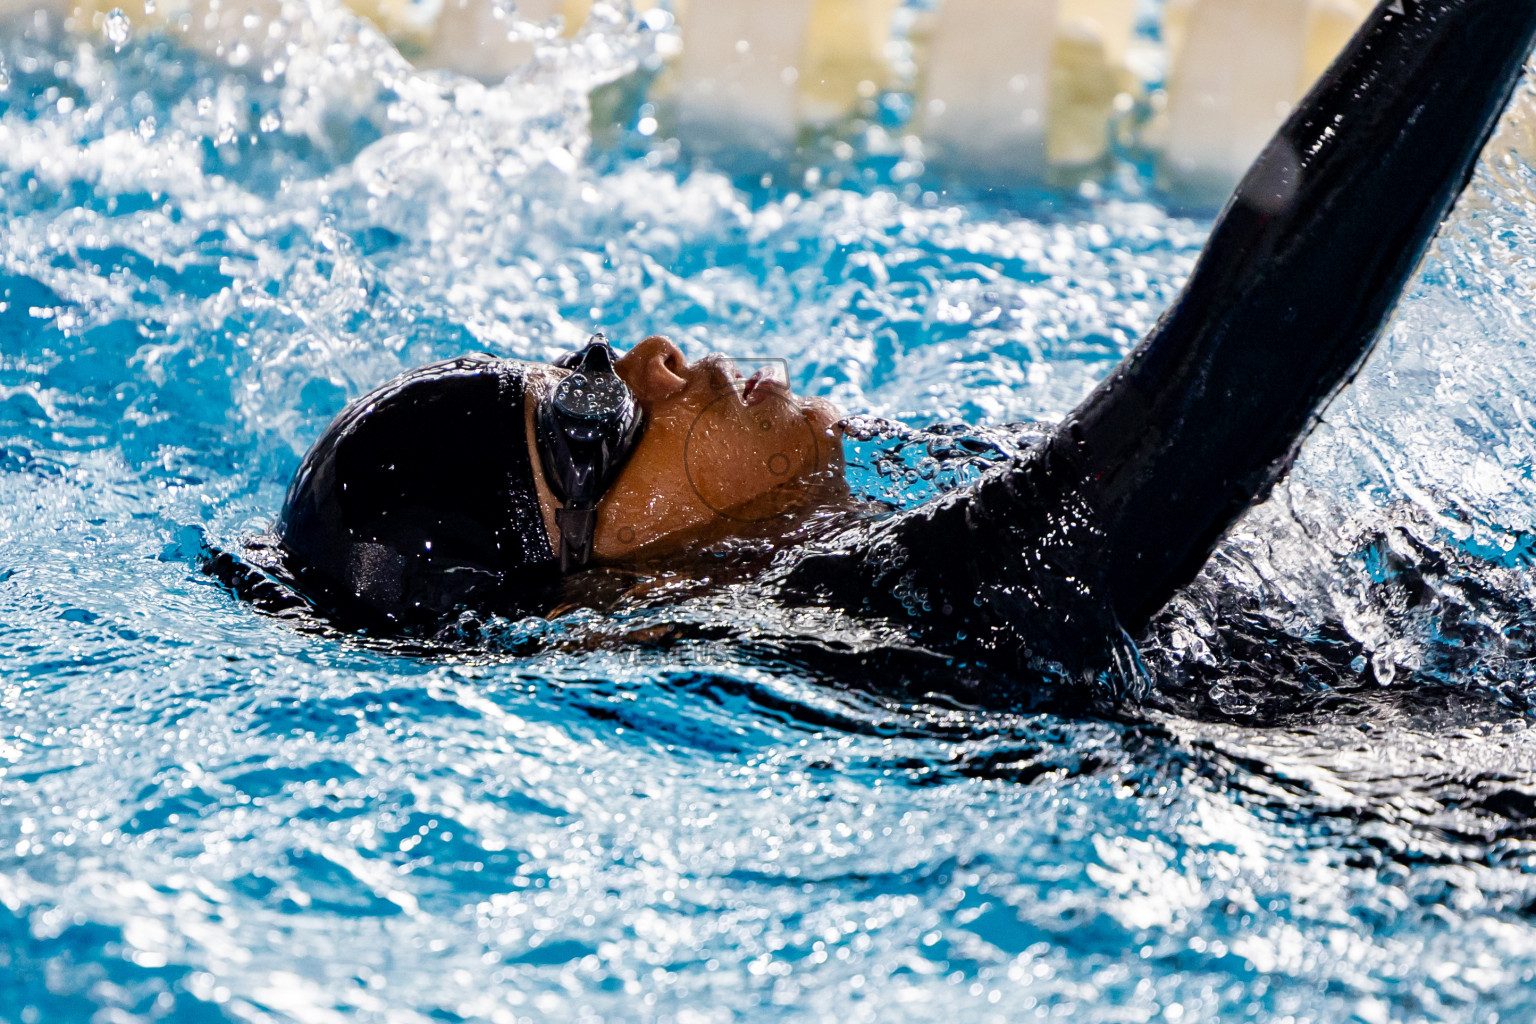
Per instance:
{"type": "Point", "coordinates": [703, 807]}
{"type": "Point", "coordinates": [117, 28]}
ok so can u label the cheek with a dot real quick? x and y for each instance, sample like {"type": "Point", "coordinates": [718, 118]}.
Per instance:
{"type": "Point", "coordinates": [751, 463]}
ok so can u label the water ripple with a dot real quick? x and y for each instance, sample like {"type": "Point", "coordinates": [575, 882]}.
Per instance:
{"type": "Point", "coordinates": [704, 808]}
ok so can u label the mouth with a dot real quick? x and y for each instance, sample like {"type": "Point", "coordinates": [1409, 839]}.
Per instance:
{"type": "Point", "coordinates": [760, 386]}
{"type": "Point", "coordinates": [765, 384]}
{"type": "Point", "coordinates": [750, 391]}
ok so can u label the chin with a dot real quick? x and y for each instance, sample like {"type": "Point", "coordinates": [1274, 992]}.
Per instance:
{"type": "Point", "coordinates": [824, 417]}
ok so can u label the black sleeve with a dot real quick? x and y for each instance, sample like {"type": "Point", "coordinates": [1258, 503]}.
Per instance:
{"type": "Point", "coordinates": [1123, 504]}
{"type": "Point", "coordinates": [1292, 289]}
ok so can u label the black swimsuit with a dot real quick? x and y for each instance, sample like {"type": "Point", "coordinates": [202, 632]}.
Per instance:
{"type": "Point", "coordinates": [1049, 561]}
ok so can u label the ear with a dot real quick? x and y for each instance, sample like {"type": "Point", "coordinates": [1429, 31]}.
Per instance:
{"type": "Point", "coordinates": [654, 370]}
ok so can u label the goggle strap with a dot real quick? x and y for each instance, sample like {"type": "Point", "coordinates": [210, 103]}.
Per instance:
{"type": "Point", "coordinates": [577, 526]}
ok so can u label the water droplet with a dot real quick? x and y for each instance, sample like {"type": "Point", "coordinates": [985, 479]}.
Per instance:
{"type": "Point", "coordinates": [149, 6]}
{"type": "Point", "coordinates": [118, 29]}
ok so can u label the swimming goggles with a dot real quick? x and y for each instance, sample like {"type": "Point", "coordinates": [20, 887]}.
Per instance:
{"type": "Point", "coordinates": [585, 429]}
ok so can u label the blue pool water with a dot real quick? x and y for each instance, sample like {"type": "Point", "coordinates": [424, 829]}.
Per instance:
{"type": "Point", "coordinates": [209, 815]}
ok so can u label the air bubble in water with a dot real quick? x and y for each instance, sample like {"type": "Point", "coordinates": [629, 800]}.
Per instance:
{"type": "Point", "coordinates": [149, 6]}
{"type": "Point", "coordinates": [119, 30]}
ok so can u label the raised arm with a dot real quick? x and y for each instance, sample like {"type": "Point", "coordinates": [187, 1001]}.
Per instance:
{"type": "Point", "coordinates": [1292, 289]}
{"type": "Point", "coordinates": [1125, 502]}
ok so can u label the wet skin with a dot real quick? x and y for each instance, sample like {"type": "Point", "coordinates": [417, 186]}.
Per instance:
{"type": "Point", "coordinates": [1046, 567]}
{"type": "Point", "coordinates": [720, 455]}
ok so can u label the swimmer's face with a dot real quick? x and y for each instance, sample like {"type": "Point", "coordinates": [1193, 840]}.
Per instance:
{"type": "Point", "coordinates": [720, 455]}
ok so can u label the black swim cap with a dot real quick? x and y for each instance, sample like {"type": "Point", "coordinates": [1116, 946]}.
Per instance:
{"type": "Point", "coordinates": [419, 500]}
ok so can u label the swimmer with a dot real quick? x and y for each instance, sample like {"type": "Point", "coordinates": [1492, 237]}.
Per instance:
{"type": "Point", "coordinates": [494, 485]}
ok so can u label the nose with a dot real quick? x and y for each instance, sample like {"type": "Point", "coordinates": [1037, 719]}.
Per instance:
{"type": "Point", "coordinates": [654, 369]}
